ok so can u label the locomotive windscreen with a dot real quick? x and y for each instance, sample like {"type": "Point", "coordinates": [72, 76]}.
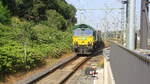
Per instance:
{"type": "Point", "coordinates": [83, 32]}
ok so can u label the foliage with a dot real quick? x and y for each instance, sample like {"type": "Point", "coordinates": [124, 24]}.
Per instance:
{"type": "Point", "coordinates": [36, 9]}
{"type": "Point", "coordinates": [56, 19]}
{"type": "Point", "coordinates": [25, 45]}
{"type": "Point", "coordinates": [13, 55]}
{"type": "Point", "coordinates": [67, 10]}
{"type": "Point", "coordinates": [4, 14]}
{"type": "Point", "coordinates": [13, 58]}
{"type": "Point", "coordinates": [52, 39]}
{"type": "Point", "coordinates": [38, 29]}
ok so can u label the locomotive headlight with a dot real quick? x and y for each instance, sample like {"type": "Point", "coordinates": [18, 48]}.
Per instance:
{"type": "Point", "coordinates": [75, 43]}
{"type": "Point", "coordinates": [90, 43]}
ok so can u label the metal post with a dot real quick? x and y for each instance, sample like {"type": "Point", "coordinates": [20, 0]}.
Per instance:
{"type": "Point", "coordinates": [127, 23]}
{"type": "Point", "coordinates": [131, 36]}
{"type": "Point", "coordinates": [144, 24]}
{"type": "Point", "coordinates": [122, 26]}
{"type": "Point", "coordinates": [124, 21]}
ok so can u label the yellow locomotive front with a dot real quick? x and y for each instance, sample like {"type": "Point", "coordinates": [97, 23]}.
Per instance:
{"type": "Point", "coordinates": [83, 40]}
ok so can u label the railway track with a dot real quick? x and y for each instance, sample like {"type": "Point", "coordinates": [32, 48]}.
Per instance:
{"type": "Point", "coordinates": [60, 75]}
{"type": "Point", "coordinates": [57, 74]}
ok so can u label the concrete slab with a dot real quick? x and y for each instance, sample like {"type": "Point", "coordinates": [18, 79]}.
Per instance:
{"type": "Point", "coordinates": [100, 77]}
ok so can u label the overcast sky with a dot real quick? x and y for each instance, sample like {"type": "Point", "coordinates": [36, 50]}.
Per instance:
{"type": "Point", "coordinates": [98, 18]}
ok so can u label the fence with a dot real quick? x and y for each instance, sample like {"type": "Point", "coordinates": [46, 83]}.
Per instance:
{"type": "Point", "coordinates": [129, 67]}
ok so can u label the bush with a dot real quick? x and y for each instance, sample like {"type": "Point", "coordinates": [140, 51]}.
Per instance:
{"type": "Point", "coordinates": [51, 42]}
{"type": "Point", "coordinates": [25, 44]}
{"type": "Point", "coordinates": [14, 57]}
{"type": "Point", "coordinates": [55, 20]}
{"type": "Point", "coordinates": [42, 34]}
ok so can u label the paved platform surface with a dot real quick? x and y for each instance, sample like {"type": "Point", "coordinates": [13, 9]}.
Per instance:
{"type": "Point", "coordinates": [100, 77]}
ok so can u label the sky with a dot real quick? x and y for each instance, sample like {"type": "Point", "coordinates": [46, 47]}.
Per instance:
{"type": "Point", "coordinates": [100, 19]}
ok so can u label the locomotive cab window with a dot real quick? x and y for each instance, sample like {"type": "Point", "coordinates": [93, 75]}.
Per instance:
{"type": "Point", "coordinates": [83, 32]}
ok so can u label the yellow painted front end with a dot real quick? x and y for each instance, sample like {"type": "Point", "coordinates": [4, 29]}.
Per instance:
{"type": "Point", "coordinates": [83, 40]}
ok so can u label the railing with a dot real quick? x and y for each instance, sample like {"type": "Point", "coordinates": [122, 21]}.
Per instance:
{"type": "Point", "coordinates": [129, 67]}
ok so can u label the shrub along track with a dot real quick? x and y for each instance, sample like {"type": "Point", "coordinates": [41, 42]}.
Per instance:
{"type": "Point", "coordinates": [58, 73]}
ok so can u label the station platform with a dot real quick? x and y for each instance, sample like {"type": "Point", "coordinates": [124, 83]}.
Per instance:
{"type": "Point", "coordinates": [100, 77]}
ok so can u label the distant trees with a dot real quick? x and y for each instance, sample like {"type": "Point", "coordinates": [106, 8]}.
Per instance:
{"type": "Point", "coordinates": [36, 9]}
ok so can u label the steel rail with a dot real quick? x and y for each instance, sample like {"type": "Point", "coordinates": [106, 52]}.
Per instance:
{"type": "Point", "coordinates": [39, 75]}
{"type": "Point", "coordinates": [75, 69]}
{"type": "Point", "coordinates": [62, 74]}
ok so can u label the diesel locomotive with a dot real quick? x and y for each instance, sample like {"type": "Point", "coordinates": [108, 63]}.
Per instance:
{"type": "Point", "coordinates": [86, 39]}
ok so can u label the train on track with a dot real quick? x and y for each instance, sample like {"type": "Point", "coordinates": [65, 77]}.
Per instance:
{"type": "Point", "coordinates": [86, 39]}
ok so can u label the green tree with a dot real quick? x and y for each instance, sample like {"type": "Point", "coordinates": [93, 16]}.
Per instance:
{"type": "Point", "coordinates": [35, 32]}
{"type": "Point", "coordinates": [55, 20]}
{"type": "Point", "coordinates": [4, 14]}
{"type": "Point", "coordinates": [36, 9]}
